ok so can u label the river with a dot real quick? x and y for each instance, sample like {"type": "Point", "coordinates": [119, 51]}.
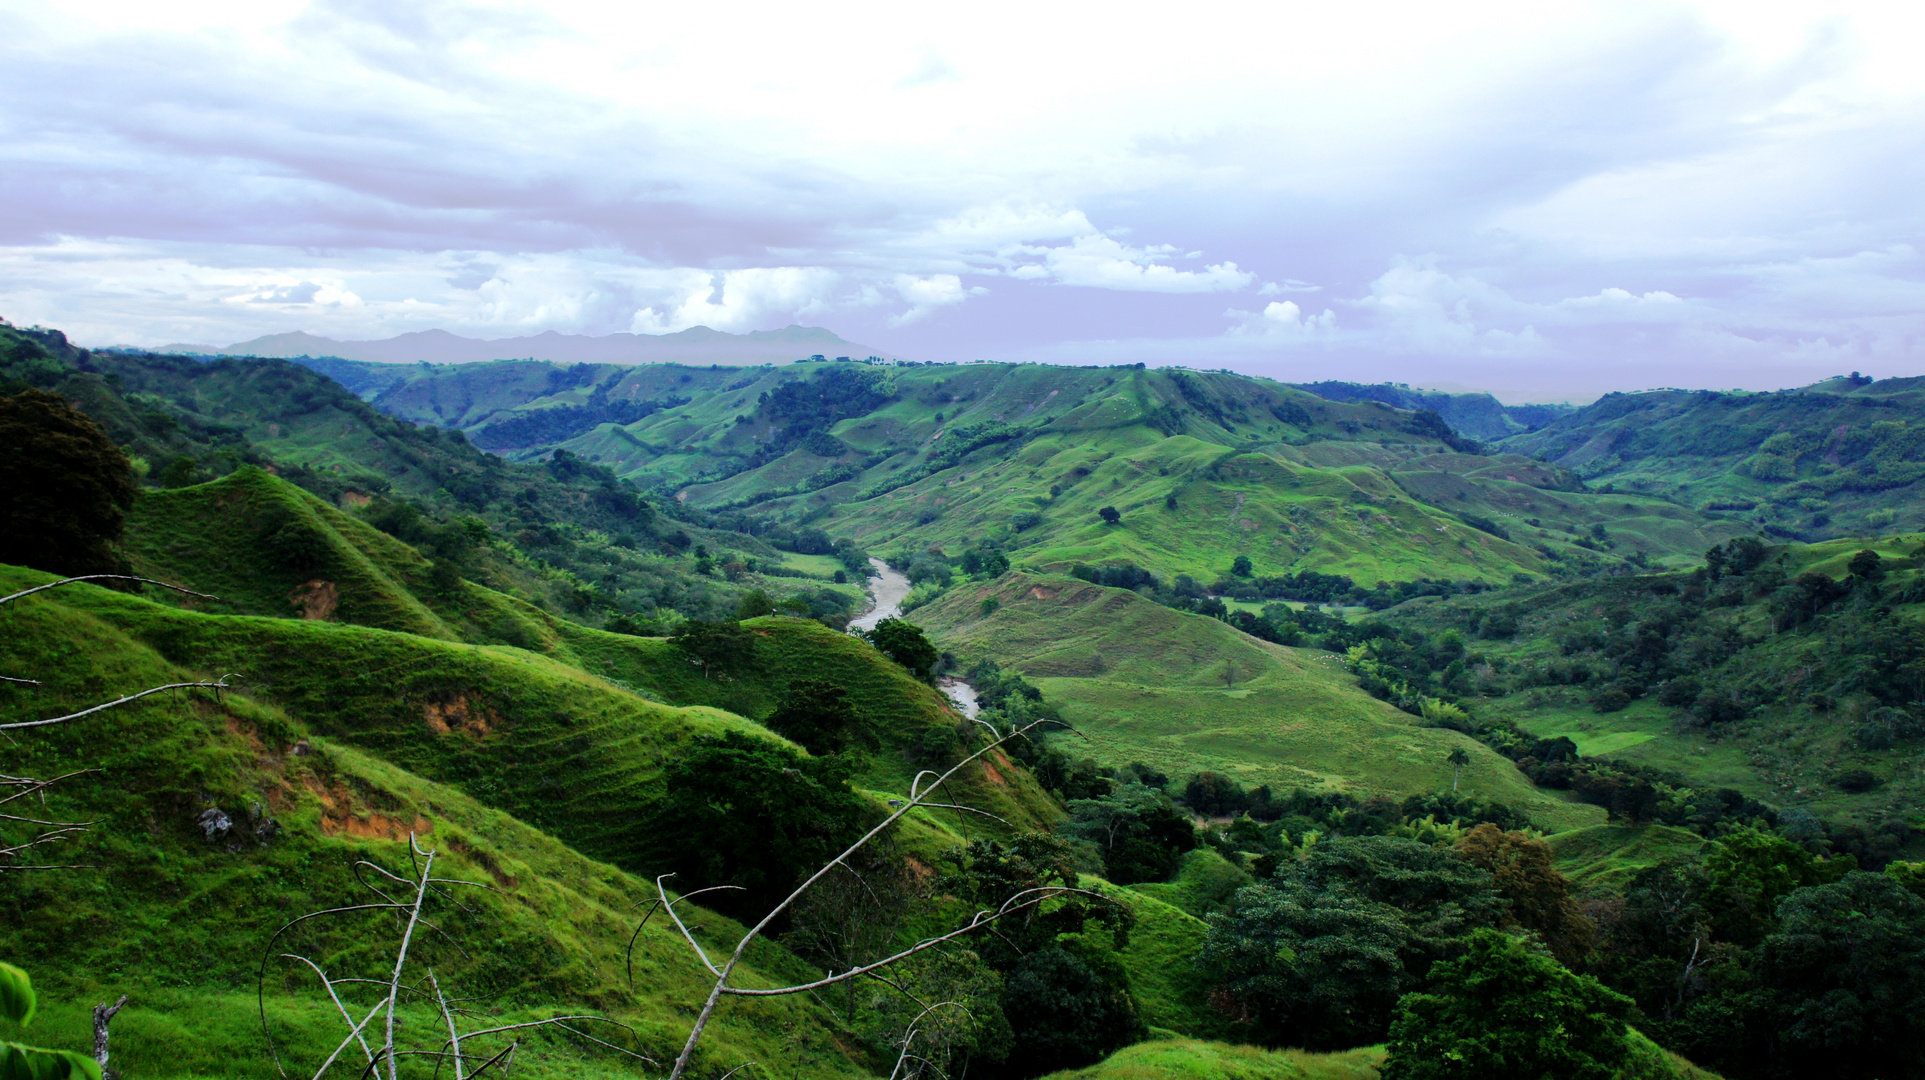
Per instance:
{"type": "Point", "coordinates": [887, 591]}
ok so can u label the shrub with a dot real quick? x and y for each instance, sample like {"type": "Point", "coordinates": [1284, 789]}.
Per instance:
{"type": "Point", "coordinates": [1502, 1011]}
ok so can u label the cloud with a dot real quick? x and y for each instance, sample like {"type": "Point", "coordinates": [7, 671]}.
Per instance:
{"type": "Point", "coordinates": [737, 300]}
{"type": "Point", "coordinates": [1287, 285]}
{"type": "Point", "coordinates": [925, 295]}
{"type": "Point", "coordinates": [1285, 320]}
{"type": "Point", "coordinates": [1667, 185]}
{"type": "Point", "coordinates": [1099, 262]}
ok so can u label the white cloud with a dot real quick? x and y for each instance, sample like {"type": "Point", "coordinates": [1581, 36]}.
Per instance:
{"type": "Point", "coordinates": [1287, 285]}
{"type": "Point", "coordinates": [1099, 262]}
{"type": "Point", "coordinates": [1285, 320]}
{"type": "Point", "coordinates": [738, 300]}
{"type": "Point", "coordinates": [925, 295]}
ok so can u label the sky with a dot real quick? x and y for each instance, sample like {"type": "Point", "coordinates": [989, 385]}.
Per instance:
{"type": "Point", "coordinates": [1544, 200]}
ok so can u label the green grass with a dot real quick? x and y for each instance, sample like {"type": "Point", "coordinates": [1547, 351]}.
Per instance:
{"type": "Point", "coordinates": [178, 923]}
{"type": "Point", "coordinates": [1186, 693]}
{"type": "Point", "coordinates": [1195, 1059]}
{"type": "Point", "coordinates": [1603, 858]}
{"type": "Point", "coordinates": [1204, 884]}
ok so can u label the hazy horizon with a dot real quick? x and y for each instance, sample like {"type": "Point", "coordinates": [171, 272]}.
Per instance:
{"type": "Point", "coordinates": [1542, 203]}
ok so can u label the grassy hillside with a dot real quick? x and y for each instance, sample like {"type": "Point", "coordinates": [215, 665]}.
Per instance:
{"type": "Point", "coordinates": [1204, 466]}
{"type": "Point", "coordinates": [565, 535]}
{"type": "Point", "coordinates": [1835, 459]}
{"type": "Point", "coordinates": [1185, 693]}
{"type": "Point", "coordinates": [1793, 679]}
{"type": "Point", "coordinates": [176, 916]}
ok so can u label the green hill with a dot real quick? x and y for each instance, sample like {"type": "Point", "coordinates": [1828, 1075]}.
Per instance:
{"type": "Point", "coordinates": [1203, 466]}
{"type": "Point", "coordinates": [176, 914]}
{"type": "Point", "coordinates": [1186, 693]}
{"type": "Point", "coordinates": [1836, 459]}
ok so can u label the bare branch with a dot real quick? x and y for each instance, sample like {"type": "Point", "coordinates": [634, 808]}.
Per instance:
{"type": "Point", "coordinates": [918, 795]}
{"type": "Point", "coordinates": [353, 1028]}
{"type": "Point", "coordinates": [105, 577]}
{"type": "Point", "coordinates": [401, 954]}
{"type": "Point", "coordinates": [454, 1034]}
{"type": "Point", "coordinates": [220, 684]}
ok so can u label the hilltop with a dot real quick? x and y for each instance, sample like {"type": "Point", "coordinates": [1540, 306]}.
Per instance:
{"type": "Point", "coordinates": [1839, 458]}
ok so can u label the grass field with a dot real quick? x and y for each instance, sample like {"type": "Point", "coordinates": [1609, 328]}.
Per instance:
{"type": "Point", "coordinates": [1186, 693]}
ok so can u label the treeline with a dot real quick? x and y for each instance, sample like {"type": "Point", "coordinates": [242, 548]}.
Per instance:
{"type": "Point", "coordinates": [1278, 623]}
{"type": "Point", "coordinates": [558, 423]}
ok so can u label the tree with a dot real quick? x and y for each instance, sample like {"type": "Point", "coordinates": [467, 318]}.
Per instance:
{"type": "Point", "coordinates": [1064, 1014]}
{"type": "Point", "coordinates": [819, 715]}
{"type": "Point", "coordinates": [64, 487]}
{"type": "Point", "coordinates": [1241, 567]}
{"type": "Point", "coordinates": [1539, 897]}
{"type": "Point", "coordinates": [752, 814]}
{"type": "Point", "coordinates": [1501, 1011]}
{"type": "Point", "coordinates": [718, 648]}
{"type": "Point", "coordinates": [1319, 956]}
{"type": "Point", "coordinates": [1110, 515]}
{"type": "Point", "coordinates": [1847, 965]}
{"type": "Point", "coordinates": [1139, 830]}
{"type": "Point", "coordinates": [906, 644]}
{"type": "Point", "coordinates": [1458, 758]}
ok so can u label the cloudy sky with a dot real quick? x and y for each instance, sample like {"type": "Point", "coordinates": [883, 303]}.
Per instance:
{"type": "Point", "coordinates": [1540, 199]}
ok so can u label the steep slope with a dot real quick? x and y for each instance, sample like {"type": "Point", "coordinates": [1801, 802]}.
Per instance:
{"type": "Point", "coordinates": [1185, 693]}
{"type": "Point", "coordinates": [217, 818]}
{"type": "Point", "coordinates": [565, 534]}
{"type": "Point", "coordinates": [1839, 458]}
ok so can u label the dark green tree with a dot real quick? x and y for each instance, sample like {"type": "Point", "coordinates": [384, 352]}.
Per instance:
{"type": "Point", "coordinates": [751, 813]}
{"type": "Point", "coordinates": [1065, 1014]}
{"type": "Point", "coordinates": [819, 715]}
{"type": "Point", "coordinates": [1242, 567]}
{"type": "Point", "coordinates": [1502, 1011]}
{"type": "Point", "coordinates": [1847, 965]}
{"type": "Point", "coordinates": [1110, 515]}
{"type": "Point", "coordinates": [718, 648]}
{"type": "Point", "coordinates": [1319, 955]}
{"type": "Point", "coordinates": [64, 487]}
{"type": "Point", "coordinates": [906, 644]}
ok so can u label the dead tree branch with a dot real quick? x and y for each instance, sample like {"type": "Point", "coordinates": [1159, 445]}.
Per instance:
{"type": "Point", "coordinates": [384, 1052]}
{"type": "Point", "coordinates": [920, 793]}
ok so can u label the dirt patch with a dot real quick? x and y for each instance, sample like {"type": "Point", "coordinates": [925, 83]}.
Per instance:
{"type": "Point", "coordinates": [1042, 592]}
{"type": "Point", "coordinates": [317, 599]}
{"type": "Point", "coordinates": [340, 816]}
{"type": "Point", "coordinates": [463, 715]}
{"type": "Point", "coordinates": [355, 498]}
{"type": "Point", "coordinates": [994, 774]}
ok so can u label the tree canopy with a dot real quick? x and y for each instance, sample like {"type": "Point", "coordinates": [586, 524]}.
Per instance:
{"type": "Point", "coordinates": [64, 487]}
{"type": "Point", "coordinates": [1502, 1011]}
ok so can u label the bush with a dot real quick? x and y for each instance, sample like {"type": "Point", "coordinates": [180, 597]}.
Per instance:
{"type": "Point", "coordinates": [1504, 1012]}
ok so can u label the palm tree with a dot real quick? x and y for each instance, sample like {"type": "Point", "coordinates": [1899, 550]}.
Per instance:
{"type": "Point", "coordinates": [1458, 759]}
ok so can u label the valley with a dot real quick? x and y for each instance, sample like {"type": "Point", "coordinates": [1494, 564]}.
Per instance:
{"type": "Point", "coordinates": [1247, 680]}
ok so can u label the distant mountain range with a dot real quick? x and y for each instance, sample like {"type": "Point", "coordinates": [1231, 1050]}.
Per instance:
{"type": "Point", "coordinates": [696, 345]}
